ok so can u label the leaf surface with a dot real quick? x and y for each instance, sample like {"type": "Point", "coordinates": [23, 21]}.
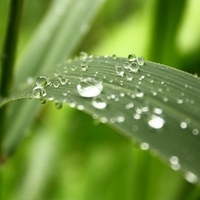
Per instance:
{"type": "Point", "coordinates": [154, 104]}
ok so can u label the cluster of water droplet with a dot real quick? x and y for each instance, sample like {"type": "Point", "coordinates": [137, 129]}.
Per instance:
{"type": "Point", "coordinates": [39, 90]}
{"type": "Point", "coordinates": [129, 67]}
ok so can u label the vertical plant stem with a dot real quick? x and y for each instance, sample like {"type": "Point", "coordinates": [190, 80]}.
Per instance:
{"type": "Point", "coordinates": [8, 60]}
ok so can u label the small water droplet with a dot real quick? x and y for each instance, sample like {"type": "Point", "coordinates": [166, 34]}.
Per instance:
{"type": "Point", "coordinates": [191, 177]}
{"type": "Point", "coordinates": [129, 105]}
{"type": "Point", "coordinates": [140, 61]}
{"type": "Point", "coordinates": [89, 87]}
{"type": "Point", "coordinates": [84, 65]}
{"type": "Point", "coordinates": [195, 131]}
{"type": "Point", "coordinates": [42, 81]}
{"type": "Point", "coordinates": [183, 125]}
{"type": "Point", "coordinates": [127, 65]}
{"type": "Point", "coordinates": [120, 119]}
{"type": "Point", "coordinates": [83, 55]}
{"type": "Point", "coordinates": [131, 57]}
{"type": "Point", "coordinates": [58, 104]}
{"type": "Point", "coordinates": [119, 70]}
{"type": "Point", "coordinates": [114, 56]}
{"type": "Point", "coordinates": [56, 84]}
{"type": "Point", "coordinates": [134, 67]}
{"type": "Point", "coordinates": [38, 92]}
{"type": "Point", "coordinates": [74, 68]}
{"type": "Point", "coordinates": [144, 146]}
{"type": "Point", "coordinates": [129, 76]}
{"type": "Point", "coordinates": [99, 103]}
{"type": "Point", "coordinates": [158, 111]}
{"type": "Point", "coordinates": [42, 101]}
{"type": "Point", "coordinates": [174, 161]}
{"type": "Point", "coordinates": [63, 81]}
{"type": "Point", "coordinates": [80, 107]}
{"type": "Point", "coordinates": [56, 73]}
{"type": "Point", "coordinates": [139, 93]}
{"type": "Point", "coordinates": [156, 122]}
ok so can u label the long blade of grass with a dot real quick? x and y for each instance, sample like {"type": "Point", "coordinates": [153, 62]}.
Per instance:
{"type": "Point", "coordinates": [56, 38]}
{"type": "Point", "coordinates": [154, 104]}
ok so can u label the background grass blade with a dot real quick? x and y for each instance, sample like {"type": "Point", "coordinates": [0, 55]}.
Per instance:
{"type": "Point", "coordinates": [156, 105]}
{"type": "Point", "coordinates": [56, 39]}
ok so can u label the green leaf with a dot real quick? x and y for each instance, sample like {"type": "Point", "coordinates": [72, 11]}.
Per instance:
{"type": "Point", "coordinates": [153, 104]}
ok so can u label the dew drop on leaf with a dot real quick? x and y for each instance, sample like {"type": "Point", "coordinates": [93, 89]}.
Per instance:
{"type": "Point", "coordinates": [89, 87]}
{"type": "Point", "coordinates": [42, 81]}
{"type": "Point", "coordinates": [144, 146]}
{"type": "Point", "coordinates": [195, 131]}
{"type": "Point", "coordinates": [174, 161]}
{"type": "Point", "coordinates": [134, 67]}
{"type": "Point", "coordinates": [119, 70]}
{"type": "Point", "coordinates": [156, 122]}
{"type": "Point", "coordinates": [56, 84]}
{"type": "Point", "coordinates": [38, 92]}
{"type": "Point", "coordinates": [58, 105]}
{"type": "Point", "coordinates": [131, 57]}
{"type": "Point", "coordinates": [140, 61]}
{"type": "Point", "coordinates": [191, 177]}
{"type": "Point", "coordinates": [99, 103]}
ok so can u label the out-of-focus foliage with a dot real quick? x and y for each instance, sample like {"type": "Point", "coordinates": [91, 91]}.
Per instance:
{"type": "Point", "coordinates": [67, 155]}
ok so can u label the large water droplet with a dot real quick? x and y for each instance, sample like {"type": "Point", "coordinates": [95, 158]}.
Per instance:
{"type": "Point", "coordinates": [89, 87]}
{"type": "Point", "coordinates": [99, 103]}
{"type": "Point", "coordinates": [38, 92]}
{"type": "Point", "coordinates": [42, 81]}
{"type": "Point", "coordinates": [156, 122]}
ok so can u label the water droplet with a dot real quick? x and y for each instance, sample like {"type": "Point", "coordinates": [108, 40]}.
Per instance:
{"type": "Point", "coordinates": [58, 104]}
{"type": "Point", "coordinates": [99, 103]}
{"type": "Point", "coordinates": [80, 107]}
{"type": "Point", "coordinates": [129, 105]}
{"type": "Point", "coordinates": [42, 81]}
{"type": "Point", "coordinates": [119, 70]}
{"type": "Point", "coordinates": [140, 61]}
{"type": "Point", "coordinates": [89, 87]}
{"type": "Point", "coordinates": [158, 111]}
{"type": "Point", "coordinates": [84, 65]}
{"type": "Point", "coordinates": [83, 55]}
{"type": "Point", "coordinates": [120, 119]}
{"type": "Point", "coordinates": [114, 56]}
{"type": "Point", "coordinates": [156, 122]}
{"type": "Point", "coordinates": [195, 131]}
{"type": "Point", "coordinates": [174, 161]}
{"type": "Point", "coordinates": [183, 125]}
{"type": "Point", "coordinates": [42, 101]}
{"type": "Point", "coordinates": [56, 84]}
{"type": "Point", "coordinates": [144, 146]}
{"type": "Point", "coordinates": [129, 76]}
{"type": "Point", "coordinates": [131, 57]}
{"type": "Point", "coordinates": [56, 73]}
{"type": "Point", "coordinates": [134, 67]}
{"type": "Point", "coordinates": [139, 93]}
{"type": "Point", "coordinates": [191, 177]}
{"type": "Point", "coordinates": [127, 65]}
{"type": "Point", "coordinates": [73, 68]}
{"type": "Point", "coordinates": [63, 81]}
{"type": "Point", "coordinates": [38, 92]}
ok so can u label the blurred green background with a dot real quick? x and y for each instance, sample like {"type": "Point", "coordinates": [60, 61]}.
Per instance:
{"type": "Point", "coordinates": [65, 154]}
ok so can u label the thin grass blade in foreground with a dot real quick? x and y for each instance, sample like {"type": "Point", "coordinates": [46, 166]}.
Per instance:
{"type": "Point", "coordinates": [154, 104]}
{"type": "Point", "coordinates": [55, 39]}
